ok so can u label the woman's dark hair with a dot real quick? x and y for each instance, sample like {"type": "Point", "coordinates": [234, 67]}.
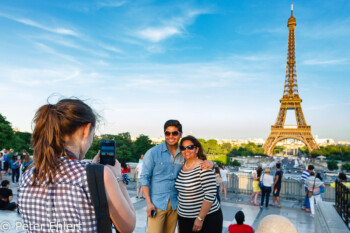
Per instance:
{"type": "Point", "coordinates": [195, 142]}
{"type": "Point", "coordinates": [217, 171]}
{"type": "Point", "coordinates": [278, 165]}
{"type": "Point", "coordinates": [175, 123]}
{"type": "Point", "coordinates": [52, 123]}
{"type": "Point", "coordinates": [342, 176]}
{"type": "Point", "coordinates": [123, 164]}
{"type": "Point", "coordinates": [259, 171]}
{"type": "Point", "coordinates": [26, 158]}
{"type": "Point", "coordinates": [318, 175]}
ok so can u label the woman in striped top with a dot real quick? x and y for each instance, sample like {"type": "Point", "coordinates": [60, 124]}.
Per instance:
{"type": "Point", "coordinates": [198, 209]}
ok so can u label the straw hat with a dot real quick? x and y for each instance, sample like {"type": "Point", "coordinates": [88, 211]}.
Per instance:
{"type": "Point", "coordinates": [276, 224]}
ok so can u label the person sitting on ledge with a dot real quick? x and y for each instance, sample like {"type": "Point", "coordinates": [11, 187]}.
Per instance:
{"type": "Point", "coordinates": [240, 227]}
{"type": "Point", "coordinates": [6, 197]}
{"type": "Point", "coordinates": [276, 224]}
{"type": "Point", "coordinates": [342, 178]}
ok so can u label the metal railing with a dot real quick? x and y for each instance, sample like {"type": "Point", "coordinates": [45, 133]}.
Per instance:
{"type": "Point", "coordinates": [291, 189]}
{"type": "Point", "coordinates": [342, 201]}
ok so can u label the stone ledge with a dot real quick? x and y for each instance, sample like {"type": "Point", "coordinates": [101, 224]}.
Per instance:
{"type": "Point", "coordinates": [327, 219]}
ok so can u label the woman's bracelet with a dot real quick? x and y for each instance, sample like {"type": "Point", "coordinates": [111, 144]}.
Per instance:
{"type": "Point", "coordinates": [200, 219]}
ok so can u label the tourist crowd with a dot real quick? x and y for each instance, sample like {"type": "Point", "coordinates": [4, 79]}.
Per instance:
{"type": "Point", "coordinates": [180, 186]}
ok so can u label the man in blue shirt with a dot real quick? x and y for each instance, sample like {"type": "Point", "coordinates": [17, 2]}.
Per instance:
{"type": "Point", "coordinates": [161, 165]}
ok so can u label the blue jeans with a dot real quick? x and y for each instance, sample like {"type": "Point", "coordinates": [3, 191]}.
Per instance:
{"type": "Point", "coordinates": [15, 172]}
{"type": "Point", "coordinates": [265, 192]}
{"type": "Point", "coordinates": [306, 201]}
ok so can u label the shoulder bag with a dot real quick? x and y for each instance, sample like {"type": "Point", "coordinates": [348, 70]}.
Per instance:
{"type": "Point", "coordinates": [309, 193]}
{"type": "Point", "coordinates": [261, 182]}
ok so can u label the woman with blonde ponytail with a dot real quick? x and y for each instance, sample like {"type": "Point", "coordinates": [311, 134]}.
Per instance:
{"type": "Point", "coordinates": [53, 194]}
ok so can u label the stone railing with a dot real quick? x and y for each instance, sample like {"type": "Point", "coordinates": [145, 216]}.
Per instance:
{"type": "Point", "coordinates": [291, 189]}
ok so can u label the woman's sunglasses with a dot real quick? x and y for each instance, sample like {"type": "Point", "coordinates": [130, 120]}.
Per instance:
{"type": "Point", "coordinates": [174, 133]}
{"type": "Point", "coordinates": [190, 147]}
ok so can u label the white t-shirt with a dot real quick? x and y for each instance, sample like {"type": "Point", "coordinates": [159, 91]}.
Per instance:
{"type": "Point", "coordinates": [223, 173]}
{"type": "Point", "coordinates": [139, 170]}
{"type": "Point", "coordinates": [268, 180]}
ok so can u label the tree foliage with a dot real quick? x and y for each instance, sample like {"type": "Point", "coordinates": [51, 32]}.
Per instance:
{"type": "Point", "coordinates": [333, 152]}
{"type": "Point", "coordinates": [346, 167]}
{"type": "Point", "coordinates": [126, 149]}
{"type": "Point", "coordinates": [332, 165]}
{"type": "Point", "coordinates": [13, 139]}
{"type": "Point", "coordinates": [246, 150]}
{"type": "Point", "coordinates": [235, 163]}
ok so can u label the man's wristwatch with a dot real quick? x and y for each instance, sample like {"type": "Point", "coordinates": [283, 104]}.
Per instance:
{"type": "Point", "coordinates": [200, 219]}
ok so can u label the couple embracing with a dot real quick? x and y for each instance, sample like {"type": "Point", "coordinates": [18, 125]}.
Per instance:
{"type": "Point", "coordinates": [179, 185]}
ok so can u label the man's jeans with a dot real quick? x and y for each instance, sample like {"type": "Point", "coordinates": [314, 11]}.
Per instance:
{"type": "Point", "coordinates": [306, 200]}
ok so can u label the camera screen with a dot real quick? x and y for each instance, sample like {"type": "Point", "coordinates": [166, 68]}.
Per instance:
{"type": "Point", "coordinates": [107, 150]}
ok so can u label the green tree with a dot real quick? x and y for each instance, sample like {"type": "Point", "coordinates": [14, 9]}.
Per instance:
{"type": "Point", "coordinates": [226, 147]}
{"type": "Point", "coordinates": [141, 145]}
{"type": "Point", "coordinates": [6, 133]}
{"type": "Point", "coordinates": [332, 165]}
{"type": "Point", "coordinates": [346, 167]}
{"type": "Point", "coordinates": [235, 163]}
{"type": "Point", "coordinates": [212, 146]}
{"type": "Point", "coordinates": [21, 141]}
{"type": "Point", "coordinates": [124, 147]}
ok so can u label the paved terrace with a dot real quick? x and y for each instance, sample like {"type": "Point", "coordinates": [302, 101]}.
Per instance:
{"type": "Point", "coordinates": [290, 209]}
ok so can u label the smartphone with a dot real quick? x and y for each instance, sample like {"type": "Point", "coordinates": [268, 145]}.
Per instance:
{"type": "Point", "coordinates": [107, 152]}
{"type": "Point", "coordinates": [153, 213]}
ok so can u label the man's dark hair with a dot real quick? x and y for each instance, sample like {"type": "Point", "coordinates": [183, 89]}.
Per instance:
{"type": "Point", "coordinates": [5, 183]}
{"type": "Point", "coordinates": [239, 217]}
{"type": "Point", "coordinates": [175, 123]}
{"type": "Point", "coordinates": [310, 167]}
{"type": "Point", "coordinates": [278, 165]}
{"type": "Point", "coordinates": [342, 176]}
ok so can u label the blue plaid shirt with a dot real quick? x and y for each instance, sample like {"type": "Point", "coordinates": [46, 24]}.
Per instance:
{"type": "Point", "coordinates": [159, 172]}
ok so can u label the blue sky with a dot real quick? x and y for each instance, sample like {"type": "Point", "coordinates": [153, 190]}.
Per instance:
{"type": "Point", "coordinates": [217, 66]}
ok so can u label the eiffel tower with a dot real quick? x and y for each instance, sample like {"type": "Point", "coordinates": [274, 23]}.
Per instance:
{"type": "Point", "coordinates": [290, 100]}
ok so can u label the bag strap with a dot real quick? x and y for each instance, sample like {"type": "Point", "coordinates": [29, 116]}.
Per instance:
{"type": "Point", "coordinates": [314, 185]}
{"type": "Point", "coordinates": [97, 192]}
{"type": "Point", "coordinates": [262, 179]}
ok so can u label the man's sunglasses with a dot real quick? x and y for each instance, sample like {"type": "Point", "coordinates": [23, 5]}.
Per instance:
{"type": "Point", "coordinates": [190, 147]}
{"type": "Point", "coordinates": [174, 133]}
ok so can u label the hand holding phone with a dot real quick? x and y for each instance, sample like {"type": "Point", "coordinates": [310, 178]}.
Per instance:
{"type": "Point", "coordinates": [153, 213]}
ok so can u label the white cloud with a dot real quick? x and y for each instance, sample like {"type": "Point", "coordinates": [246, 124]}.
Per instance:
{"type": "Point", "coordinates": [169, 27]}
{"type": "Point", "coordinates": [50, 50]}
{"type": "Point", "coordinates": [158, 34]}
{"type": "Point", "coordinates": [110, 48]}
{"type": "Point", "coordinates": [29, 22]}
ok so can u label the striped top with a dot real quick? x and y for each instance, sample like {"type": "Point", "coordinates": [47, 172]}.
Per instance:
{"type": "Point", "coordinates": [305, 175]}
{"type": "Point", "coordinates": [195, 186]}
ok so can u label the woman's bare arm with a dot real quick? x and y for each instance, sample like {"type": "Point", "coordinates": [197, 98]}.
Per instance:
{"type": "Point", "coordinates": [120, 206]}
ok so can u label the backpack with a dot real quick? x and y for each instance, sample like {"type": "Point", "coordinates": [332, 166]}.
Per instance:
{"type": "Point", "coordinates": [98, 195]}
